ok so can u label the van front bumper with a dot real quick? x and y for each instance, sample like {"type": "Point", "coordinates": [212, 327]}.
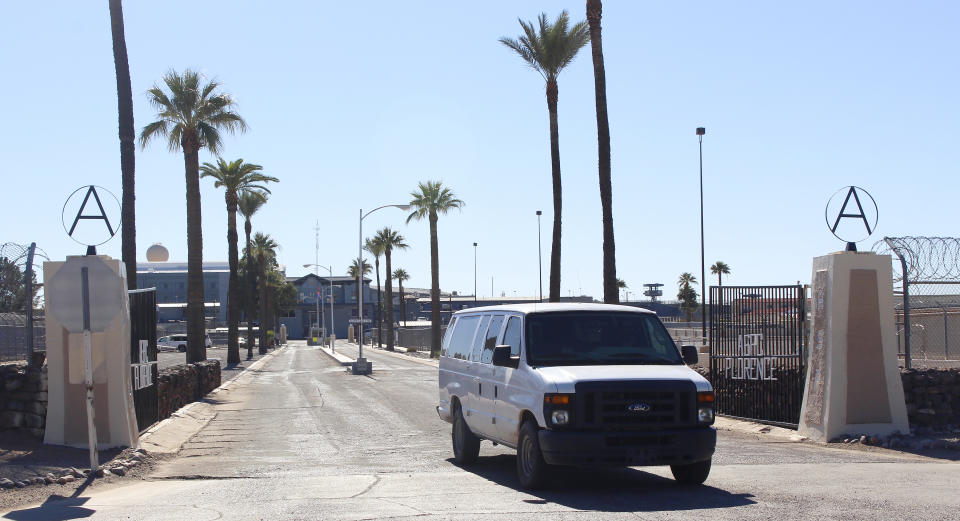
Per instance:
{"type": "Point", "coordinates": [628, 448]}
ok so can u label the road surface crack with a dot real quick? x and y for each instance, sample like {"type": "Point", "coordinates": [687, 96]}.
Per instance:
{"type": "Point", "coordinates": [376, 481]}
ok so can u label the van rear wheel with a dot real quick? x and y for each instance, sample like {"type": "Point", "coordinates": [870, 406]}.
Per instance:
{"type": "Point", "coordinates": [531, 467]}
{"type": "Point", "coordinates": [466, 445]}
{"type": "Point", "coordinates": [692, 474]}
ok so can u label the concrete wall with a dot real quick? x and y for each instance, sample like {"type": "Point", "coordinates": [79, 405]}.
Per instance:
{"type": "Point", "coordinates": [23, 398]}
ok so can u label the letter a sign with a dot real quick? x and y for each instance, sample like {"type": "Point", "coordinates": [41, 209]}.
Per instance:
{"type": "Point", "coordinates": [91, 215]}
{"type": "Point", "coordinates": [849, 220]}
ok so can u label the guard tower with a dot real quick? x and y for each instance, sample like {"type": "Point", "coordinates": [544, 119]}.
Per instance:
{"type": "Point", "coordinates": [653, 291]}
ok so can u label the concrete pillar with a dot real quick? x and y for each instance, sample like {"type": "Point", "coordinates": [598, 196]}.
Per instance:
{"type": "Point", "coordinates": [114, 414]}
{"type": "Point", "coordinates": [853, 382]}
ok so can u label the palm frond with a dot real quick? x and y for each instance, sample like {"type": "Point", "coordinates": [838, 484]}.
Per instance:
{"type": "Point", "coordinates": [157, 128]}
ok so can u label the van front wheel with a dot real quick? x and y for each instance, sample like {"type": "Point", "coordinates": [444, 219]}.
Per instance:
{"type": "Point", "coordinates": [692, 474]}
{"type": "Point", "coordinates": [466, 445]}
{"type": "Point", "coordinates": [531, 468]}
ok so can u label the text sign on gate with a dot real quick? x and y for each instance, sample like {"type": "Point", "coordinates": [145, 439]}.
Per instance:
{"type": "Point", "coordinates": [358, 321]}
{"type": "Point", "coordinates": [750, 362]}
{"type": "Point", "coordinates": [65, 298]}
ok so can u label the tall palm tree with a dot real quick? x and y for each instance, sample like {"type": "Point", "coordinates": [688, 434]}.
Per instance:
{"type": "Point", "coordinates": [265, 250]}
{"type": "Point", "coordinates": [548, 51]}
{"type": "Point", "coordinates": [128, 212]}
{"type": "Point", "coordinates": [621, 284]}
{"type": "Point", "coordinates": [429, 201]}
{"type": "Point", "coordinates": [402, 276]}
{"type": "Point", "coordinates": [235, 177]}
{"type": "Point", "coordinates": [191, 116]}
{"type": "Point", "coordinates": [720, 269]}
{"type": "Point", "coordinates": [358, 271]}
{"type": "Point", "coordinates": [391, 240]}
{"type": "Point", "coordinates": [375, 247]}
{"type": "Point", "coordinates": [610, 290]}
{"type": "Point", "coordinates": [249, 203]}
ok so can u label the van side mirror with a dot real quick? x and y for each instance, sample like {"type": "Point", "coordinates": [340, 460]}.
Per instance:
{"type": "Point", "coordinates": [502, 358]}
{"type": "Point", "coordinates": [690, 355]}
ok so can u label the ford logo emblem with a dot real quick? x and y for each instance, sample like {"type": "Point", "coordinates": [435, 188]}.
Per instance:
{"type": "Point", "coordinates": [638, 407]}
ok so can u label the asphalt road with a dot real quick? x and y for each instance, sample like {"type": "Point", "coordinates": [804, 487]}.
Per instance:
{"type": "Point", "coordinates": [299, 438]}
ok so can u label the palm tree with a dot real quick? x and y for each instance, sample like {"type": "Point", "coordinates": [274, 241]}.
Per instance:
{"type": "Point", "coordinates": [548, 52]}
{"type": "Point", "coordinates": [429, 200]}
{"type": "Point", "coordinates": [402, 276]}
{"type": "Point", "coordinates": [236, 177]}
{"type": "Point", "coordinates": [248, 204]}
{"type": "Point", "coordinates": [375, 247]}
{"type": "Point", "coordinates": [265, 250]}
{"type": "Point", "coordinates": [191, 116]}
{"type": "Point", "coordinates": [390, 240]}
{"type": "Point", "coordinates": [687, 295]}
{"type": "Point", "coordinates": [128, 213]}
{"type": "Point", "coordinates": [720, 269]}
{"type": "Point", "coordinates": [621, 284]}
{"type": "Point", "coordinates": [357, 271]}
{"type": "Point", "coordinates": [610, 293]}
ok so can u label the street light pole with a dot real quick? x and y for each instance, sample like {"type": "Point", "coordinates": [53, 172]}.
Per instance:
{"type": "Point", "coordinates": [474, 274]}
{"type": "Point", "coordinates": [539, 257]}
{"type": "Point", "coordinates": [703, 282]}
{"type": "Point", "coordinates": [363, 216]}
{"type": "Point", "coordinates": [320, 296]}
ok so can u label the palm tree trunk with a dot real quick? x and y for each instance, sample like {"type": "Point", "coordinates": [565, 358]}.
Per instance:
{"type": "Point", "coordinates": [252, 285]}
{"type": "Point", "coordinates": [388, 318]}
{"type": "Point", "coordinates": [233, 290]}
{"type": "Point", "coordinates": [552, 94]}
{"type": "Point", "coordinates": [434, 288]}
{"type": "Point", "coordinates": [610, 293]}
{"type": "Point", "coordinates": [261, 268]}
{"type": "Point", "coordinates": [196, 320]}
{"type": "Point", "coordinates": [128, 232]}
{"type": "Point", "coordinates": [379, 303]}
{"type": "Point", "coordinates": [403, 303]}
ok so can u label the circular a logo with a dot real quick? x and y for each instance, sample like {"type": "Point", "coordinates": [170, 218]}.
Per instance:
{"type": "Point", "coordinates": [851, 214]}
{"type": "Point", "coordinates": [91, 215]}
{"type": "Point", "coordinates": [638, 407]}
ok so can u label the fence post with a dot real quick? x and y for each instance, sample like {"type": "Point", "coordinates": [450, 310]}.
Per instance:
{"type": "Point", "coordinates": [28, 299]}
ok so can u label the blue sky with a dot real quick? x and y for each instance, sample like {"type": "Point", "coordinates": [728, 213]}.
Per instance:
{"type": "Point", "coordinates": [351, 104]}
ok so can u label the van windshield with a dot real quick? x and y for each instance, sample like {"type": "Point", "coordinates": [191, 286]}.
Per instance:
{"type": "Point", "coordinates": [598, 338]}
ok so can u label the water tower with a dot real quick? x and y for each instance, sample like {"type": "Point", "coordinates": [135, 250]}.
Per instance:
{"type": "Point", "coordinates": [157, 253]}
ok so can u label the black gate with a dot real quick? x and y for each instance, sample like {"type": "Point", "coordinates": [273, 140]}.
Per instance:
{"type": "Point", "coordinates": [143, 355]}
{"type": "Point", "coordinates": [758, 351]}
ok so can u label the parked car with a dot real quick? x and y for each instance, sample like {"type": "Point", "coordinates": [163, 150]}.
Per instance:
{"type": "Point", "coordinates": [177, 343]}
{"type": "Point", "coordinates": [575, 384]}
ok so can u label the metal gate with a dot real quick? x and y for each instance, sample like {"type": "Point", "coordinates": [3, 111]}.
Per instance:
{"type": "Point", "coordinates": [758, 351]}
{"type": "Point", "coordinates": [143, 355]}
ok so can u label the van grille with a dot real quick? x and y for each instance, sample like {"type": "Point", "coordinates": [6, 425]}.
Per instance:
{"type": "Point", "coordinates": [656, 404]}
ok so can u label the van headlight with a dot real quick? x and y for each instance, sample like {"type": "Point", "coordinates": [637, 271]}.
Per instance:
{"type": "Point", "coordinates": [705, 400]}
{"type": "Point", "coordinates": [561, 417]}
{"type": "Point", "coordinates": [558, 409]}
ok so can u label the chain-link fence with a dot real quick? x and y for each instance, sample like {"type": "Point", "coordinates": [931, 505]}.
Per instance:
{"type": "Point", "coordinates": [926, 280]}
{"type": "Point", "coordinates": [22, 328]}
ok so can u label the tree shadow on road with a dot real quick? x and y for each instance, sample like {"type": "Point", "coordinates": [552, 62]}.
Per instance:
{"type": "Point", "coordinates": [609, 489]}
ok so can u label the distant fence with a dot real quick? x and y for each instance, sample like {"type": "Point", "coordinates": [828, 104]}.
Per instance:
{"type": "Point", "coordinates": [21, 325]}
{"type": "Point", "coordinates": [926, 280]}
{"type": "Point", "coordinates": [14, 345]}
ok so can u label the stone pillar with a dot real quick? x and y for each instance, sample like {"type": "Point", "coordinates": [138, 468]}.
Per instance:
{"type": "Point", "coordinates": [853, 382]}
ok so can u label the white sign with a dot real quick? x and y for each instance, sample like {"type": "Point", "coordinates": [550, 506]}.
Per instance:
{"type": "Point", "coordinates": [358, 321]}
{"type": "Point", "coordinates": [65, 296]}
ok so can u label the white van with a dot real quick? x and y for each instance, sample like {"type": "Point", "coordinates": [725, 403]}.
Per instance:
{"type": "Point", "coordinates": [575, 384]}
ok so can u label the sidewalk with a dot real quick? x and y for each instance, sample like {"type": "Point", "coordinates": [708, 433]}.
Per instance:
{"type": "Point", "coordinates": [28, 461]}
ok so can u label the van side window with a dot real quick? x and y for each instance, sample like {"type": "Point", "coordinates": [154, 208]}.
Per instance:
{"type": "Point", "coordinates": [478, 341]}
{"type": "Point", "coordinates": [446, 337]}
{"type": "Point", "coordinates": [511, 336]}
{"type": "Point", "coordinates": [462, 337]}
{"type": "Point", "coordinates": [491, 340]}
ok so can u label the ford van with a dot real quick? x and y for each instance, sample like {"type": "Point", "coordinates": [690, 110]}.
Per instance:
{"type": "Point", "coordinates": [583, 385]}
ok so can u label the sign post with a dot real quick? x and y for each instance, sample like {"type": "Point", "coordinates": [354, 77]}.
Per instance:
{"type": "Point", "coordinates": [88, 369]}
{"type": "Point", "coordinates": [362, 365]}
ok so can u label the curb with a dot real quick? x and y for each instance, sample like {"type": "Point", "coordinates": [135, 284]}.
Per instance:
{"type": "Point", "coordinates": [337, 357]}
